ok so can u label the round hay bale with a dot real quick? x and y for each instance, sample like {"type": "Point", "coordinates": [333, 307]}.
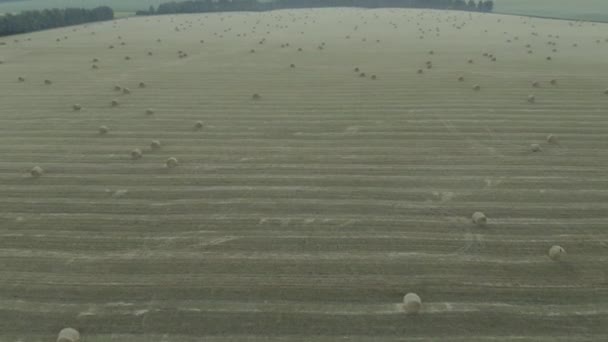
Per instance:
{"type": "Point", "coordinates": [114, 103]}
{"type": "Point", "coordinates": [127, 58]}
{"type": "Point", "coordinates": [356, 70]}
{"type": "Point", "coordinates": [117, 88]}
{"type": "Point", "coordinates": [412, 303]}
{"type": "Point", "coordinates": [536, 84]}
{"type": "Point", "coordinates": [552, 139]}
{"type": "Point", "coordinates": [48, 82]}
{"type": "Point", "coordinates": [362, 74]}
{"type": "Point", "coordinates": [531, 98]}
{"type": "Point", "coordinates": [95, 60]}
{"type": "Point", "coordinates": [374, 77]}
{"type": "Point", "coordinates": [606, 91]}
{"type": "Point", "coordinates": [68, 335]}
{"type": "Point", "coordinates": [477, 87]}
{"type": "Point", "coordinates": [149, 111]}
{"type": "Point", "coordinates": [36, 171]}
{"type": "Point", "coordinates": [155, 145]}
{"type": "Point", "coordinates": [420, 71]}
{"type": "Point", "coordinates": [535, 148]}
{"type": "Point", "coordinates": [292, 66]}
{"type": "Point", "coordinates": [149, 53]}
{"type": "Point", "coordinates": [549, 58]}
{"type": "Point", "coordinates": [553, 82]}
{"type": "Point", "coordinates": [431, 52]}
{"type": "Point", "coordinates": [126, 91]}
{"type": "Point", "coordinates": [252, 51]}
{"type": "Point", "coordinates": [199, 125]}
{"type": "Point", "coordinates": [300, 50]}
{"type": "Point", "coordinates": [171, 162]}
{"type": "Point", "coordinates": [94, 66]}
{"type": "Point", "coordinates": [136, 154]}
{"type": "Point", "coordinates": [556, 253]}
{"type": "Point", "coordinates": [479, 218]}
{"type": "Point", "coordinates": [470, 61]}
{"type": "Point", "coordinates": [142, 85]}
{"type": "Point", "coordinates": [111, 47]}
{"type": "Point", "coordinates": [77, 107]}
{"type": "Point", "coordinates": [429, 66]}
{"type": "Point", "coordinates": [21, 79]}
{"type": "Point", "coordinates": [256, 96]}
{"type": "Point", "coordinates": [103, 130]}
{"type": "Point", "coordinates": [460, 78]}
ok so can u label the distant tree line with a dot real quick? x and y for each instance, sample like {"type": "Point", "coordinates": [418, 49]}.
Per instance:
{"type": "Point", "coordinates": [202, 6]}
{"type": "Point", "coordinates": [29, 21]}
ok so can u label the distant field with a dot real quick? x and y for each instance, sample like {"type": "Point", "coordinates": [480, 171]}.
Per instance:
{"type": "Point", "coordinates": [307, 214]}
{"type": "Point", "coordinates": [596, 10]}
{"type": "Point", "coordinates": [568, 9]}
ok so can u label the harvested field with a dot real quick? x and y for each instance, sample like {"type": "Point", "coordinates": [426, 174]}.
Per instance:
{"type": "Point", "coordinates": [308, 213]}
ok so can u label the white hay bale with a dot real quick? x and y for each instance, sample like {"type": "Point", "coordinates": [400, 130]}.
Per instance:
{"type": "Point", "coordinates": [155, 145]}
{"type": "Point", "coordinates": [114, 103]}
{"type": "Point", "coordinates": [362, 74]}
{"type": "Point", "coordinates": [149, 53]}
{"type": "Point", "coordinates": [292, 66]}
{"type": "Point", "coordinates": [556, 253]}
{"type": "Point", "coordinates": [127, 58]}
{"type": "Point", "coordinates": [536, 84]}
{"type": "Point", "coordinates": [535, 148]}
{"type": "Point", "coordinates": [126, 91]}
{"type": "Point", "coordinates": [479, 218]}
{"type": "Point", "coordinates": [149, 111]}
{"type": "Point", "coordinates": [606, 91]}
{"type": "Point", "coordinates": [256, 96]}
{"type": "Point", "coordinates": [95, 60]}
{"type": "Point", "coordinates": [553, 82]}
{"type": "Point", "coordinates": [76, 107]}
{"type": "Point", "coordinates": [171, 163]}
{"type": "Point", "coordinates": [36, 171]}
{"type": "Point", "coordinates": [48, 82]}
{"type": "Point", "coordinates": [374, 77]}
{"type": "Point", "coordinates": [94, 66]}
{"type": "Point", "coordinates": [460, 78]}
{"type": "Point", "coordinates": [470, 61]}
{"type": "Point", "coordinates": [199, 125]}
{"type": "Point", "coordinates": [68, 335]}
{"type": "Point", "coordinates": [142, 85]}
{"type": "Point", "coordinates": [531, 98]}
{"type": "Point", "coordinates": [117, 88]}
{"type": "Point", "coordinates": [103, 130]}
{"type": "Point", "coordinates": [477, 87]}
{"type": "Point", "coordinates": [412, 303]}
{"type": "Point", "coordinates": [136, 154]}
{"type": "Point", "coordinates": [552, 139]}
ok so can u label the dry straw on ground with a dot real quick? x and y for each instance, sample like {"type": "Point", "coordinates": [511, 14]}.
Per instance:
{"type": "Point", "coordinates": [479, 218]}
{"type": "Point", "coordinates": [136, 154]}
{"type": "Point", "coordinates": [556, 253]}
{"type": "Point", "coordinates": [535, 148]}
{"type": "Point", "coordinates": [412, 303]}
{"type": "Point", "coordinates": [171, 163]}
{"type": "Point", "coordinates": [68, 335]}
{"type": "Point", "coordinates": [36, 171]}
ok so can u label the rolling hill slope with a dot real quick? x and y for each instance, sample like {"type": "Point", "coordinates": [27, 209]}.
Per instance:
{"type": "Point", "coordinates": [305, 214]}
